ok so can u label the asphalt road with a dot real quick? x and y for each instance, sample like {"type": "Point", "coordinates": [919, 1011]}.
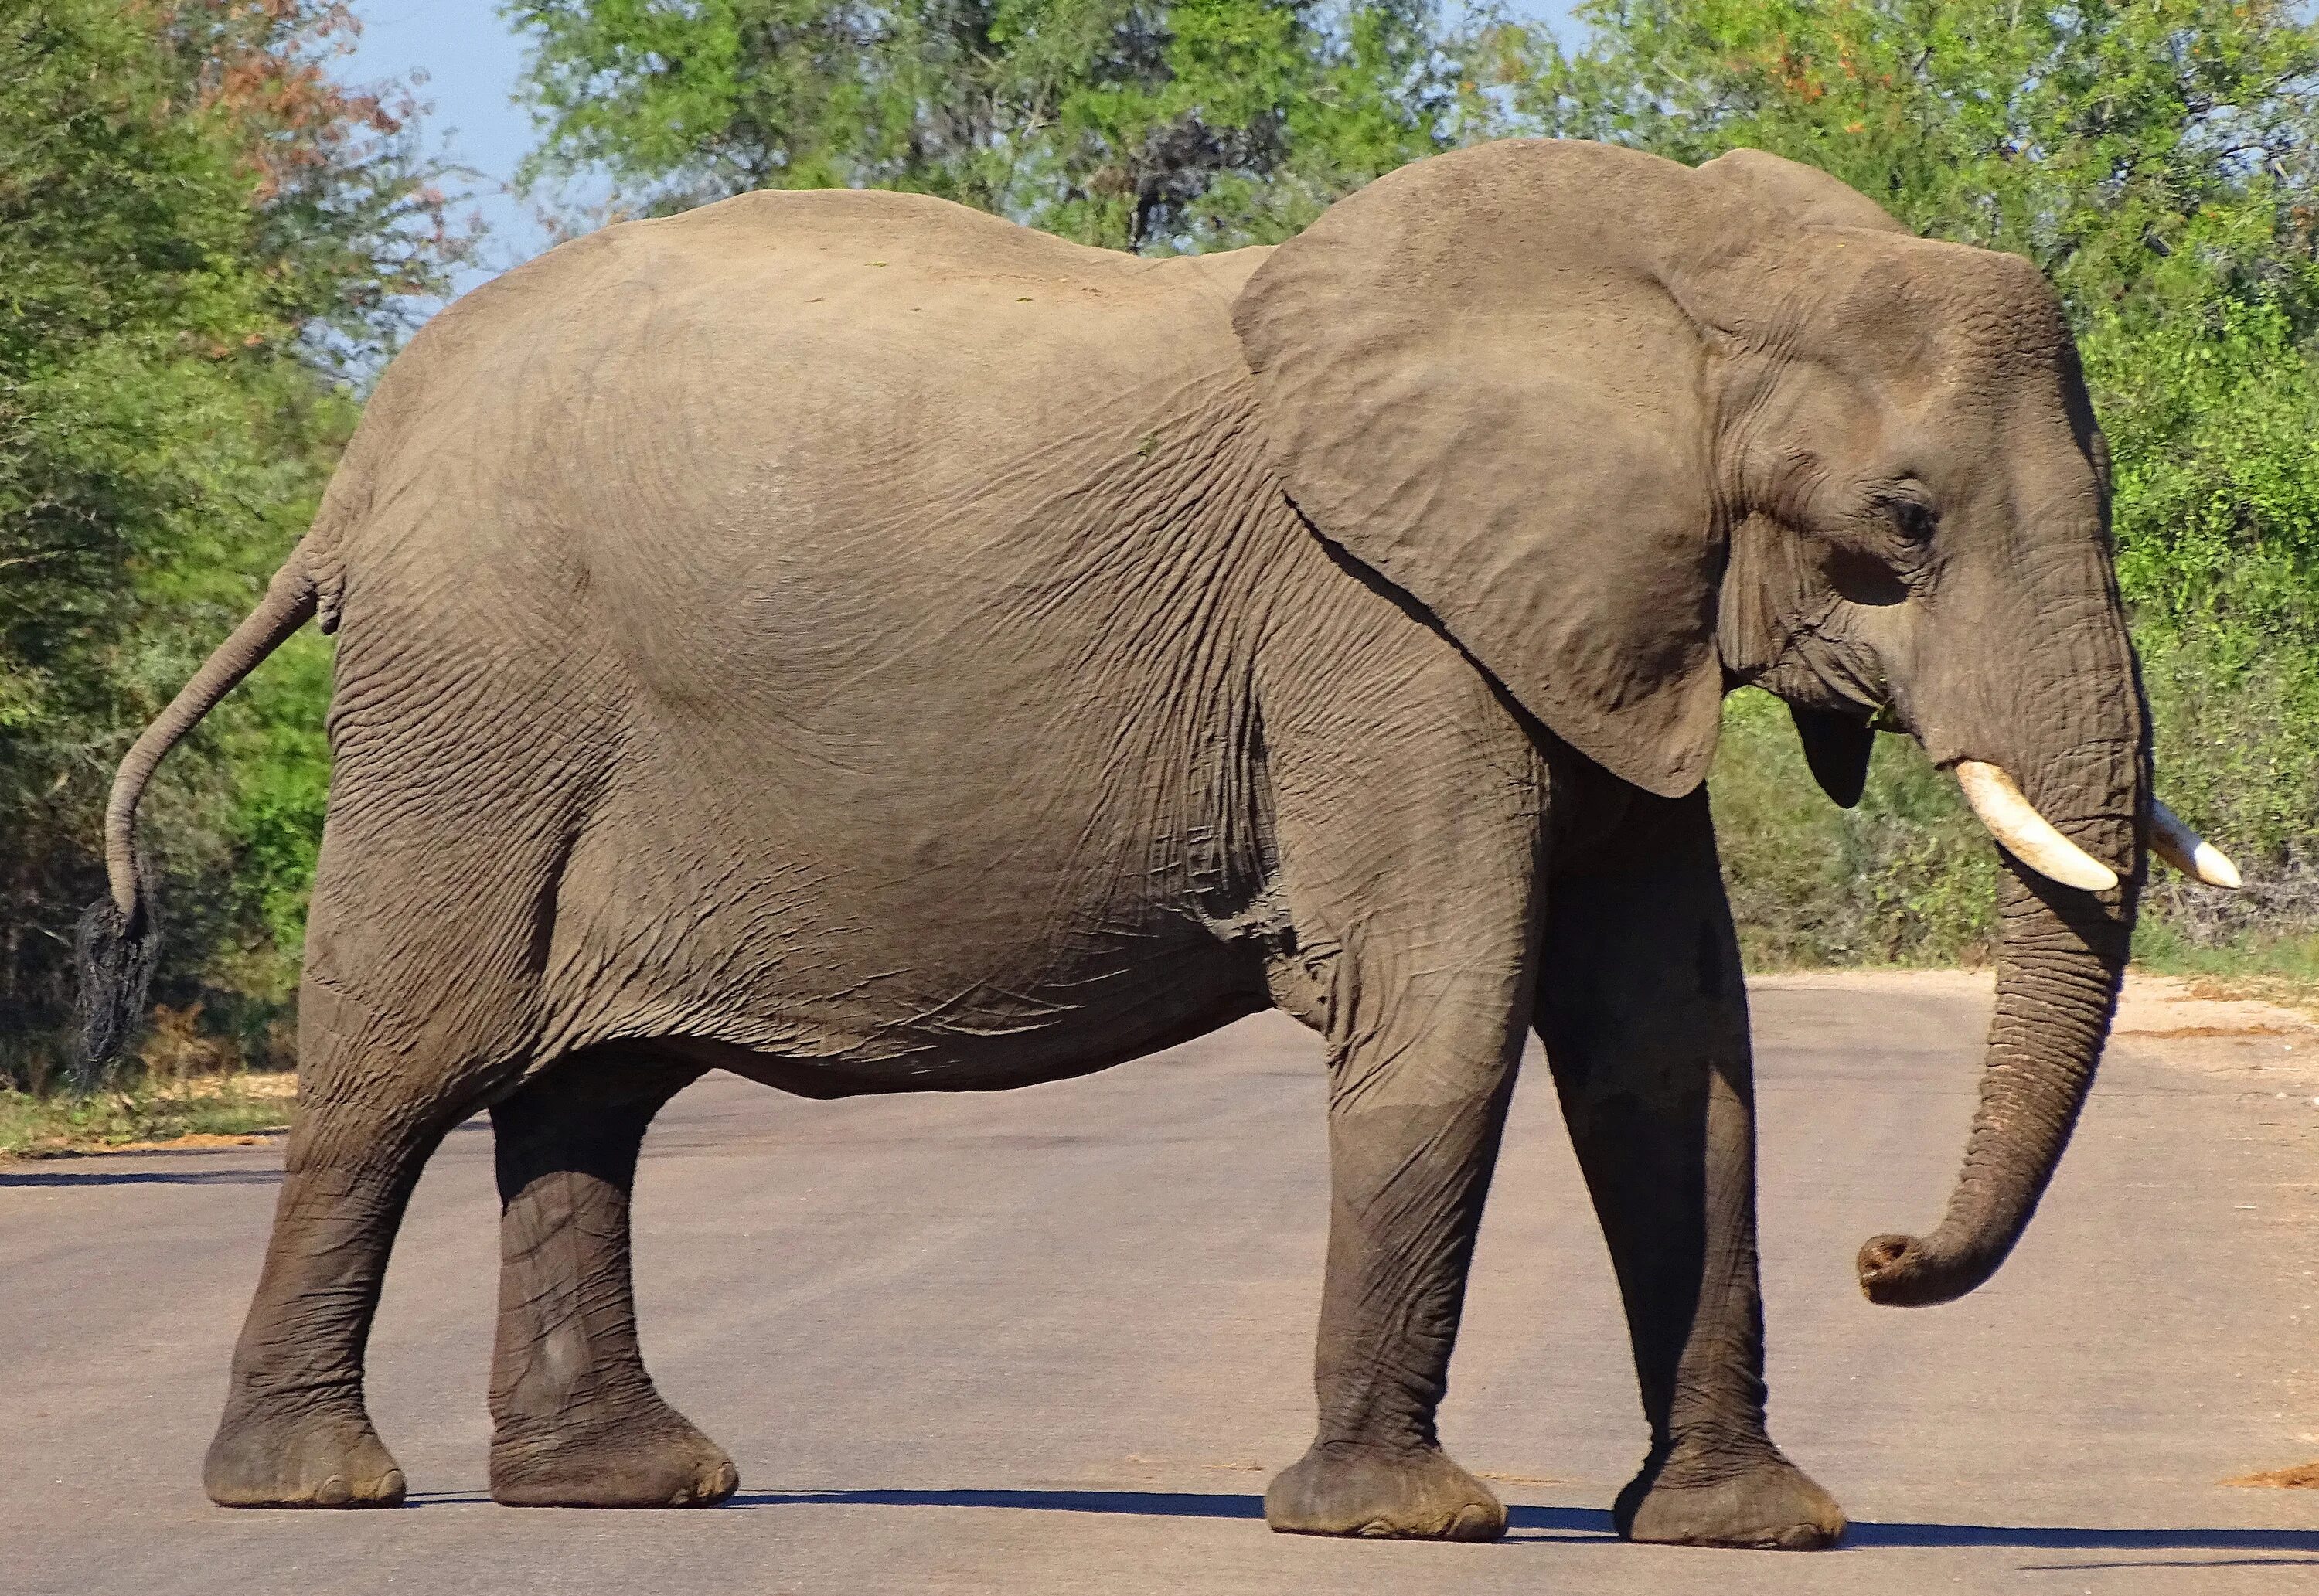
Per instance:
{"type": "Point", "coordinates": [1057, 1340]}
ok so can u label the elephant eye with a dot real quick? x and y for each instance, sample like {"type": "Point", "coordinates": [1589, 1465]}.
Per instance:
{"type": "Point", "coordinates": [1913, 518]}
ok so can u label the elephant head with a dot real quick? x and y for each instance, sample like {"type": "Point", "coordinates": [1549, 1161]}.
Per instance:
{"type": "Point", "coordinates": [1635, 433]}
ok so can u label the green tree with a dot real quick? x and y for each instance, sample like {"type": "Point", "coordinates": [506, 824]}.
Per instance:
{"type": "Point", "coordinates": [2159, 161]}
{"type": "Point", "coordinates": [1120, 122]}
{"type": "Point", "coordinates": [202, 237]}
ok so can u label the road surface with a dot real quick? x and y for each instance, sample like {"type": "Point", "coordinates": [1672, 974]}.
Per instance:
{"type": "Point", "coordinates": [1057, 1340]}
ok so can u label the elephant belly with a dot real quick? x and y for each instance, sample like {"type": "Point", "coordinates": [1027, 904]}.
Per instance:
{"type": "Point", "coordinates": [838, 983]}
{"type": "Point", "coordinates": [946, 1057]}
{"type": "Point", "coordinates": [1052, 894]}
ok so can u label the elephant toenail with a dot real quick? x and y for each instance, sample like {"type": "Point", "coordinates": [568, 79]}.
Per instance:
{"type": "Point", "coordinates": [334, 1492]}
{"type": "Point", "coordinates": [1475, 1523]}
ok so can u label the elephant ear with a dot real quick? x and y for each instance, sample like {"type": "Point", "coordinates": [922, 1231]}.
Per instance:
{"type": "Point", "coordinates": [1475, 379]}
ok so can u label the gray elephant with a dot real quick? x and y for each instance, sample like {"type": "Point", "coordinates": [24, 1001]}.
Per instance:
{"type": "Point", "coordinates": [855, 642]}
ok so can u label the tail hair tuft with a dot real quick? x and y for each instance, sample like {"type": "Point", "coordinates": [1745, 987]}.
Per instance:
{"type": "Point", "coordinates": [115, 955]}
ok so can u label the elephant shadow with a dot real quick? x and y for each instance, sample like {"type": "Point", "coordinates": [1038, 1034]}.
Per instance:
{"type": "Point", "coordinates": [53, 1178]}
{"type": "Point", "coordinates": [1580, 1525]}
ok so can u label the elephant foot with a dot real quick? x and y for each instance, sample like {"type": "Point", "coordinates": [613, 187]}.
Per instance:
{"type": "Point", "coordinates": [278, 1455]}
{"type": "Point", "coordinates": [1759, 1500]}
{"type": "Point", "coordinates": [638, 1457]}
{"type": "Point", "coordinates": [1402, 1495]}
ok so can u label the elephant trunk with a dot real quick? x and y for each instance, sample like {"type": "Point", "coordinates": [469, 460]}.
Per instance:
{"type": "Point", "coordinates": [2062, 958]}
{"type": "Point", "coordinates": [2073, 855]}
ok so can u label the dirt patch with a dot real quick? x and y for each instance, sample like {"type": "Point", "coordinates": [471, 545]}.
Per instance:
{"type": "Point", "coordinates": [2268, 1050]}
{"type": "Point", "coordinates": [2166, 1019]}
{"type": "Point", "coordinates": [2303, 1476]}
{"type": "Point", "coordinates": [2155, 1005]}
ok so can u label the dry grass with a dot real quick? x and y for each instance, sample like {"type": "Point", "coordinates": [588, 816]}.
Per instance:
{"type": "Point", "coordinates": [186, 1089]}
{"type": "Point", "coordinates": [2294, 992]}
{"type": "Point", "coordinates": [207, 1111]}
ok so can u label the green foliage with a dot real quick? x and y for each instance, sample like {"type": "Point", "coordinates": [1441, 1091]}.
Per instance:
{"type": "Point", "coordinates": [1120, 122]}
{"type": "Point", "coordinates": [1905, 877]}
{"type": "Point", "coordinates": [2275, 966]}
{"type": "Point", "coordinates": [2159, 161]}
{"type": "Point", "coordinates": [2157, 149]}
{"type": "Point", "coordinates": [200, 234]}
{"type": "Point", "coordinates": [2213, 419]}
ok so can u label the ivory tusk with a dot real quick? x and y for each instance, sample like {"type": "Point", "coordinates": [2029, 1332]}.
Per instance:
{"type": "Point", "coordinates": [2190, 852]}
{"type": "Point", "coordinates": [2013, 820]}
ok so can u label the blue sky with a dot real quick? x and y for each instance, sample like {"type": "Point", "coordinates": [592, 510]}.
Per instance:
{"type": "Point", "coordinates": [471, 60]}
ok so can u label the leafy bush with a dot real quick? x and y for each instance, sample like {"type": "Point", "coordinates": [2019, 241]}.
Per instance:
{"type": "Point", "coordinates": [2213, 419]}
{"type": "Point", "coordinates": [1906, 878]}
{"type": "Point", "coordinates": [202, 240]}
{"type": "Point", "coordinates": [1136, 124]}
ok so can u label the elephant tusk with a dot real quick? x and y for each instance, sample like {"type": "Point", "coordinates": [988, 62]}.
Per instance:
{"type": "Point", "coordinates": [2190, 852]}
{"type": "Point", "coordinates": [2014, 821]}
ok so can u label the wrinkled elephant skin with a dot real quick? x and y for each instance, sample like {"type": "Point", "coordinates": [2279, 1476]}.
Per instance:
{"type": "Point", "coordinates": [851, 641]}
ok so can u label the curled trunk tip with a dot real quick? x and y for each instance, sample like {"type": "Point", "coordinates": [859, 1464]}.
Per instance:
{"type": "Point", "coordinates": [2062, 958]}
{"type": "Point", "coordinates": [1918, 1272]}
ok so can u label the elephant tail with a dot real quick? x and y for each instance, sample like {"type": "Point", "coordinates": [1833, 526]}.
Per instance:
{"type": "Point", "coordinates": [118, 939]}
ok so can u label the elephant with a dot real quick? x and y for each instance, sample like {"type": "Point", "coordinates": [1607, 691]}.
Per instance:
{"type": "Point", "coordinates": [864, 644]}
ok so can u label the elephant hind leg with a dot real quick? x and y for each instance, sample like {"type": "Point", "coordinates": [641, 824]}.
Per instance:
{"type": "Point", "coordinates": [577, 1422]}
{"type": "Point", "coordinates": [295, 1432]}
{"type": "Point", "coordinates": [433, 904]}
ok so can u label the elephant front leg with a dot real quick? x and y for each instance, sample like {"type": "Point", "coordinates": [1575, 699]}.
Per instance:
{"type": "Point", "coordinates": [577, 1421]}
{"type": "Point", "coordinates": [1410, 811]}
{"type": "Point", "coordinates": [1407, 1182]}
{"type": "Point", "coordinates": [1645, 1021]}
